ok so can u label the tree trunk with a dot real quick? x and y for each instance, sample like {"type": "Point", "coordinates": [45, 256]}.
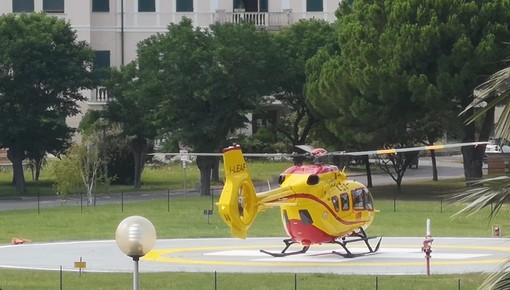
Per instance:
{"type": "Point", "coordinates": [215, 174]}
{"type": "Point", "coordinates": [16, 156]}
{"type": "Point", "coordinates": [473, 156]}
{"type": "Point", "coordinates": [473, 161]}
{"type": "Point", "coordinates": [434, 165]}
{"type": "Point", "coordinates": [368, 170]}
{"type": "Point", "coordinates": [205, 164]}
{"type": "Point", "coordinates": [90, 195]}
{"type": "Point", "coordinates": [139, 147]}
{"type": "Point", "coordinates": [399, 184]}
{"type": "Point", "coordinates": [36, 169]}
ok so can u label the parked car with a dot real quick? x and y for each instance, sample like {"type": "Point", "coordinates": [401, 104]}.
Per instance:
{"type": "Point", "coordinates": [493, 148]}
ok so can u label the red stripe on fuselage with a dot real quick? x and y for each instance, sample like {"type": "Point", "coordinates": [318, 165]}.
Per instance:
{"type": "Point", "coordinates": [318, 200]}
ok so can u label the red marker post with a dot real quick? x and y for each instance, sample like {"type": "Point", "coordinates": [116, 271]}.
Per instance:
{"type": "Point", "coordinates": [427, 246]}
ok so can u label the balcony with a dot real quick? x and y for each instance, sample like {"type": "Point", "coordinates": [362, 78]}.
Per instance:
{"type": "Point", "coordinates": [99, 96]}
{"type": "Point", "coordinates": [144, 24]}
{"type": "Point", "coordinates": [269, 20]}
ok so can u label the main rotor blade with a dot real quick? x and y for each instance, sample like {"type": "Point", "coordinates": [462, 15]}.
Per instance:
{"type": "Point", "coordinates": [220, 154]}
{"type": "Point", "coordinates": [186, 154]}
{"type": "Point", "coordinates": [409, 149]}
{"type": "Point", "coordinates": [306, 148]}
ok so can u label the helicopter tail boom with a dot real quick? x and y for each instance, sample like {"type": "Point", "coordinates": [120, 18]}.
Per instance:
{"type": "Point", "coordinates": [238, 201]}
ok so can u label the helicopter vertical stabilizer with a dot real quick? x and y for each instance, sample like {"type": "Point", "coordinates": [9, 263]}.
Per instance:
{"type": "Point", "coordinates": [238, 201]}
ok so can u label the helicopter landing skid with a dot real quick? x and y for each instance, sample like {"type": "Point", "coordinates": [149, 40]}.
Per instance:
{"type": "Point", "coordinates": [362, 236]}
{"type": "Point", "coordinates": [283, 253]}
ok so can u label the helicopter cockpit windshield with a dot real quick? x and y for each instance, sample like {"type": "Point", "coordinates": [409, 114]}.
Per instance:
{"type": "Point", "coordinates": [362, 199]}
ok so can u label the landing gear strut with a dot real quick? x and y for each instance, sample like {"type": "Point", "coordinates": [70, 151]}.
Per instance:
{"type": "Point", "coordinates": [283, 253]}
{"type": "Point", "coordinates": [343, 242]}
{"type": "Point", "coordinates": [359, 236]}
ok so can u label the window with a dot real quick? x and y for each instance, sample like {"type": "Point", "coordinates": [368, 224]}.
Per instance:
{"type": "Point", "coordinates": [344, 199]}
{"type": "Point", "coordinates": [22, 5]}
{"type": "Point", "coordinates": [250, 5]}
{"type": "Point", "coordinates": [53, 6]}
{"type": "Point", "coordinates": [263, 6]}
{"type": "Point", "coordinates": [184, 6]}
{"type": "Point", "coordinates": [369, 201]}
{"type": "Point", "coordinates": [334, 200]}
{"type": "Point", "coordinates": [100, 5]}
{"type": "Point", "coordinates": [238, 4]}
{"type": "Point", "coordinates": [305, 217]}
{"type": "Point", "coordinates": [102, 59]}
{"type": "Point", "coordinates": [362, 199]}
{"type": "Point", "coordinates": [357, 198]}
{"type": "Point", "coordinates": [101, 63]}
{"type": "Point", "coordinates": [313, 5]}
{"type": "Point", "coordinates": [146, 6]}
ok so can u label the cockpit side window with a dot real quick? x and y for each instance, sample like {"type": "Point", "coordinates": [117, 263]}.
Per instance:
{"type": "Point", "coordinates": [335, 202]}
{"type": "Point", "coordinates": [357, 199]}
{"type": "Point", "coordinates": [369, 201]}
{"type": "Point", "coordinates": [344, 199]}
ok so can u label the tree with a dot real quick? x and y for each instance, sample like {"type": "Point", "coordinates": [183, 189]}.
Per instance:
{"type": "Point", "coordinates": [404, 63]}
{"type": "Point", "coordinates": [490, 193]}
{"type": "Point", "coordinates": [67, 174]}
{"type": "Point", "coordinates": [42, 70]}
{"type": "Point", "coordinates": [208, 80]}
{"type": "Point", "coordinates": [134, 107]}
{"type": "Point", "coordinates": [297, 45]}
{"type": "Point", "coordinates": [491, 93]}
{"type": "Point", "coordinates": [115, 149]}
{"type": "Point", "coordinates": [80, 167]}
{"type": "Point", "coordinates": [54, 142]}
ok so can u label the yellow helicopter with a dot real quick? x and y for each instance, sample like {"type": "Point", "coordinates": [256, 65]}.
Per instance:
{"type": "Point", "coordinates": [317, 201]}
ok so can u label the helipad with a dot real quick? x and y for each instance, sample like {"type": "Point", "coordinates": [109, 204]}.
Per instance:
{"type": "Point", "coordinates": [396, 256]}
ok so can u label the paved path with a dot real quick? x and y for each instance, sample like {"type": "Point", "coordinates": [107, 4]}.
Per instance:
{"type": "Point", "coordinates": [448, 167]}
{"type": "Point", "coordinates": [396, 256]}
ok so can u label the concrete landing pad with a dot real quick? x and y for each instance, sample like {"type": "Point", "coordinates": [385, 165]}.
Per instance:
{"type": "Point", "coordinates": [397, 256]}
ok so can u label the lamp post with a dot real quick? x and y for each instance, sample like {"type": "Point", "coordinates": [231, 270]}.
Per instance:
{"type": "Point", "coordinates": [135, 236]}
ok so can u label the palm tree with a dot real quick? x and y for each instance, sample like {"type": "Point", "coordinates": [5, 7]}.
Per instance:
{"type": "Point", "coordinates": [495, 91]}
{"type": "Point", "coordinates": [493, 192]}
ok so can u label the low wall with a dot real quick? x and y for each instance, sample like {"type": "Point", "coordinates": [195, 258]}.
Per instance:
{"type": "Point", "coordinates": [498, 163]}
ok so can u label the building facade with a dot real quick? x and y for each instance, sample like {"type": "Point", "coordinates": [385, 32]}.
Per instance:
{"type": "Point", "coordinates": [114, 27]}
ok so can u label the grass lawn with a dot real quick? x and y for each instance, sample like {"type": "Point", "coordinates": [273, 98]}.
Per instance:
{"type": "Point", "coordinates": [100, 222]}
{"type": "Point", "coordinates": [402, 215]}
{"type": "Point", "coordinates": [42, 280]}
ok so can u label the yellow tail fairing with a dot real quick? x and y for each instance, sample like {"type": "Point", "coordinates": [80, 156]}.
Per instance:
{"type": "Point", "coordinates": [239, 203]}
